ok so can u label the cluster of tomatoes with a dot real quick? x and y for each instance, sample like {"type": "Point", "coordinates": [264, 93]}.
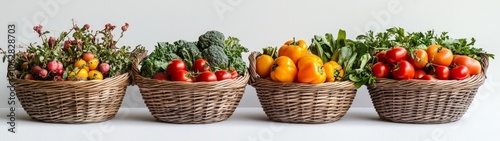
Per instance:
{"type": "Point", "coordinates": [177, 70]}
{"type": "Point", "coordinates": [434, 63]}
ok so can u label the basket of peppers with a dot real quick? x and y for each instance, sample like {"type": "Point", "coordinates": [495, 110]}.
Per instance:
{"type": "Point", "coordinates": [298, 83]}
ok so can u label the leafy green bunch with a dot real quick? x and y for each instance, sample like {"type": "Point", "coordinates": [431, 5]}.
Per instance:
{"type": "Point", "coordinates": [353, 56]}
{"type": "Point", "coordinates": [397, 36]}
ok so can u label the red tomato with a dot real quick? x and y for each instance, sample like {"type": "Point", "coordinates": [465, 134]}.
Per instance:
{"type": "Point", "coordinates": [439, 55]}
{"type": "Point", "coordinates": [420, 59]}
{"type": "Point", "coordinates": [472, 64]}
{"type": "Point", "coordinates": [222, 75]}
{"type": "Point", "coordinates": [206, 77]}
{"type": "Point", "coordinates": [380, 70]}
{"type": "Point", "coordinates": [181, 75]}
{"type": "Point", "coordinates": [429, 77]}
{"type": "Point", "coordinates": [175, 65]}
{"type": "Point", "coordinates": [419, 74]}
{"type": "Point", "coordinates": [234, 74]}
{"type": "Point", "coordinates": [395, 55]}
{"type": "Point", "coordinates": [201, 65]}
{"type": "Point", "coordinates": [403, 70]}
{"type": "Point", "coordinates": [160, 76]}
{"type": "Point", "coordinates": [442, 72]}
{"type": "Point", "coordinates": [459, 73]}
{"type": "Point", "coordinates": [381, 57]}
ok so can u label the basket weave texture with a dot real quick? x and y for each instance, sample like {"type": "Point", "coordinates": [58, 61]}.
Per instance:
{"type": "Point", "coordinates": [71, 101]}
{"type": "Point", "coordinates": [190, 103]}
{"type": "Point", "coordinates": [422, 101]}
{"type": "Point", "coordinates": [302, 103]}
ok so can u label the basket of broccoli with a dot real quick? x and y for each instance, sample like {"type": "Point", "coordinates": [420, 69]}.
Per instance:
{"type": "Point", "coordinates": [193, 82]}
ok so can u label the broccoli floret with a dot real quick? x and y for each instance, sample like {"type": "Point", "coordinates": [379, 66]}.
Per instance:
{"type": "Point", "coordinates": [211, 38]}
{"type": "Point", "coordinates": [216, 57]}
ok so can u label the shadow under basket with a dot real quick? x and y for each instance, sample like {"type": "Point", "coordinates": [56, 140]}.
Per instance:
{"type": "Point", "coordinates": [302, 103]}
{"type": "Point", "coordinates": [190, 103]}
{"type": "Point", "coordinates": [424, 101]}
{"type": "Point", "coordinates": [72, 101]}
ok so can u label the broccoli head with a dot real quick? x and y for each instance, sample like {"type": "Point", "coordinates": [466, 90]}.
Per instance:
{"type": "Point", "coordinates": [211, 38]}
{"type": "Point", "coordinates": [216, 57]}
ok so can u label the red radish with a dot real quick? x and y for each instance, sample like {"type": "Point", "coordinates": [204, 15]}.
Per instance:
{"type": "Point", "coordinates": [60, 72]}
{"type": "Point", "coordinates": [52, 66]}
{"type": "Point", "coordinates": [43, 73]}
{"type": "Point", "coordinates": [104, 68]}
{"type": "Point", "coordinates": [52, 41]}
{"type": "Point", "coordinates": [36, 69]}
{"type": "Point", "coordinates": [29, 77]}
{"type": "Point", "coordinates": [60, 66]}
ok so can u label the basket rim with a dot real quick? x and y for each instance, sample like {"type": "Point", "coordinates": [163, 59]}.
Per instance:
{"type": "Point", "coordinates": [260, 82]}
{"type": "Point", "coordinates": [244, 78]}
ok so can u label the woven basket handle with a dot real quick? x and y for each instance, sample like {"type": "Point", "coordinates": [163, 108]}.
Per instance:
{"type": "Point", "coordinates": [484, 63]}
{"type": "Point", "coordinates": [139, 55]}
{"type": "Point", "coordinates": [253, 59]}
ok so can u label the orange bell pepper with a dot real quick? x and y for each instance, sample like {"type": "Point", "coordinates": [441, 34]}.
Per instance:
{"type": "Point", "coordinates": [293, 49]}
{"type": "Point", "coordinates": [312, 72]}
{"type": "Point", "coordinates": [283, 70]}
{"type": "Point", "coordinates": [307, 59]}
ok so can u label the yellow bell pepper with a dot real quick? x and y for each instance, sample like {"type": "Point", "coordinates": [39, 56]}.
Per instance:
{"type": "Point", "coordinates": [283, 70]}
{"type": "Point", "coordinates": [264, 65]}
{"type": "Point", "coordinates": [312, 72]}
{"type": "Point", "coordinates": [293, 49]}
{"type": "Point", "coordinates": [334, 71]}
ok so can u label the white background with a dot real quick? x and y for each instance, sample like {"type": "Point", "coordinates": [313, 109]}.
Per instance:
{"type": "Point", "coordinates": [258, 23]}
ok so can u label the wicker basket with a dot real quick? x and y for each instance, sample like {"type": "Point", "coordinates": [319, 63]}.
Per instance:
{"type": "Point", "coordinates": [422, 101]}
{"type": "Point", "coordinates": [71, 101]}
{"type": "Point", "coordinates": [181, 102]}
{"type": "Point", "coordinates": [302, 103]}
